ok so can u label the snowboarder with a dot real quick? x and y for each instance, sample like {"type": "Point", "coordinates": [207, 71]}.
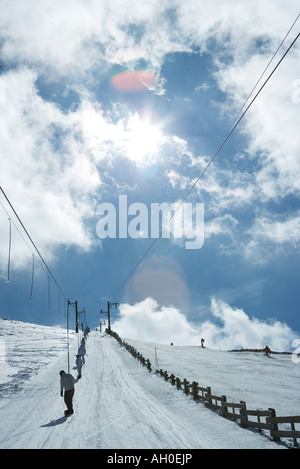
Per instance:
{"type": "Point", "coordinates": [81, 352]}
{"type": "Point", "coordinates": [67, 383]}
{"type": "Point", "coordinates": [79, 365]}
{"type": "Point", "coordinates": [267, 351]}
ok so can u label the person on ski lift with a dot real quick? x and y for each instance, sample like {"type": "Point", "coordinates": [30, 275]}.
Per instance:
{"type": "Point", "coordinates": [81, 352]}
{"type": "Point", "coordinates": [67, 383]}
{"type": "Point", "coordinates": [79, 365]}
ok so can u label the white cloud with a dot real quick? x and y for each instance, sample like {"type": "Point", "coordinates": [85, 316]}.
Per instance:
{"type": "Point", "coordinates": [77, 36]}
{"type": "Point", "coordinates": [272, 122]}
{"type": "Point", "coordinates": [270, 234]}
{"type": "Point", "coordinates": [51, 160]}
{"type": "Point", "coordinates": [228, 22]}
{"type": "Point", "coordinates": [242, 331]}
{"type": "Point", "coordinates": [45, 149]}
{"type": "Point", "coordinates": [223, 225]}
{"type": "Point", "coordinates": [147, 321]}
{"type": "Point", "coordinates": [161, 324]}
{"type": "Point", "coordinates": [46, 180]}
{"type": "Point", "coordinates": [277, 231]}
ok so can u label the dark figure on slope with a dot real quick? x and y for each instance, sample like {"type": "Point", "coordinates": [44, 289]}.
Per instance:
{"type": "Point", "coordinates": [79, 364]}
{"type": "Point", "coordinates": [81, 353]}
{"type": "Point", "coordinates": [67, 383]}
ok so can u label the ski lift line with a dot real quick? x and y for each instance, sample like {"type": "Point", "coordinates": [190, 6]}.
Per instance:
{"type": "Point", "coordinates": [33, 257]}
{"type": "Point", "coordinates": [9, 252]}
{"type": "Point", "coordinates": [49, 294]}
{"type": "Point", "coordinates": [227, 136]}
{"type": "Point", "coordinates": [32, 242]}
{"type": "Point", "coordinates": [239, 120]}
{"type": "Point", "coordinates": [11, 221]}
{"type": "Point", "coordinates": [261, 76]}
{"type": "Point", "coordinates": [32, 278]}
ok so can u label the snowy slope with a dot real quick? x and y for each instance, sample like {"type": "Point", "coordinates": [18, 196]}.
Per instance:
{"type": "Point", "coordinates": [260, 381]}
{"type": "Point", "coordinates": [118, 403]}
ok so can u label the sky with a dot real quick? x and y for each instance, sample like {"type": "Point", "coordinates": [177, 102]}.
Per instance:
{"type": "Point", "coordinates": [110, 111]}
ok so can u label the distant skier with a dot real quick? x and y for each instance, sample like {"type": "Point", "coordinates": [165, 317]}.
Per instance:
{"type": "Point", "coordinates": [202, 343]}
{"type": "Point", "coordinates": [267, 351]}
{"type": "Point", "coordinates": [79, 364]}
{"type": "Point", "coordinates": [82, 352]}
{"type": "Point", "coordinates": [67, 383]}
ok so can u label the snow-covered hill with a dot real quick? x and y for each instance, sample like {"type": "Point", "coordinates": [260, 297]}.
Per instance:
{"type": "Point", "coordinates": [118, 404]}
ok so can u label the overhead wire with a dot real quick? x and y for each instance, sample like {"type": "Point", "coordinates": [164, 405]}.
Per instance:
{"type": "Point", "coordinates": [231, 129]}
{"type": "Point", "coordinates": [262, 74]}
{"type": "Point", "coordinates": [33, 244]}
{"type": "Point", "coordinates": [11, 221]}
{"type": "Point", "coordinates": [9, 252]}
{"type": "Point", "coordinates": [32, 278]}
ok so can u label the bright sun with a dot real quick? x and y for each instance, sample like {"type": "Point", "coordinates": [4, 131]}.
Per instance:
{"type": "Point", "coordinates": [143, 138]}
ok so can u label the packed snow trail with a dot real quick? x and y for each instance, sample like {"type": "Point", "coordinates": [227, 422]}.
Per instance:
{"type": "Point", "coordinates": [117, 404]}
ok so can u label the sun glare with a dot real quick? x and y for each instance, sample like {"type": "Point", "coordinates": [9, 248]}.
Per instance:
{"type": "Point", "coordinates": [143, 138]}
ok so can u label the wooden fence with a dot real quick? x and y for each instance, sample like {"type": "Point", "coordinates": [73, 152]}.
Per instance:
{"type": "Point", "coordinates": [258, 419]}
{"type": "Point", "coordinates": [131, 349]}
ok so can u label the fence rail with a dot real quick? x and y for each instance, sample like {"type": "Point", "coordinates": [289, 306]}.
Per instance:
{"type": "Point", "coordinates": [258, 419]}
{"type": "Point", "coordinates": [292, 433]}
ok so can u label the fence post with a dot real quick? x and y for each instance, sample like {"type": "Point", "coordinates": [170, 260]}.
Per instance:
{"type": "Point", "coordinates": [185, 384]}
{"type": "Point", "coordinates": [244, 418]}
{"type": "Point", "coordinates": [258, 420]}
{"type": "Point", "coordinates": [274, 426]}
{"type": "Point", "coordinates": [294, 438]}
{"type": "Point", "coordinates": [209, 401]}
{"type": "Point", "coordinates": [178, 383]}
{"type": "Point", "coordinates": [224, 408]}
{"type": "Point", "coordinates": [194, 390]}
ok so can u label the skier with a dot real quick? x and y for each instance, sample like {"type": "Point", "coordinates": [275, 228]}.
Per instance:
{"type": "Point", "coordinates": [202, 343]}
{"type": "Point", "coordinates": [267, 350]}
{"type": "Point", "coordinates": [67, 383]}
{"type": "Point", "coordinates": [81, 352]}
{"type": "Point", "coordinates": [79, 365]}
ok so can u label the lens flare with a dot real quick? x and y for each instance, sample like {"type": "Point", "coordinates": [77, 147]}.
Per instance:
{"type": "Point", "coordinates": [133, 81]}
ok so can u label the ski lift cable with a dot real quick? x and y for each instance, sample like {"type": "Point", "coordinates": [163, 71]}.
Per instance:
{"type": "Point", "coordinates": [9, 252]}
{"type": "Point", "coordinates": [261, 76]}
{"type": "Point", "coordinates": [34, 245]}
{"type": "Point", "coordinates": [11, 221]}
{"type": "Point", "coordinates": [32, 278]}
{"type": "Point", "coordinates": [227, 136]}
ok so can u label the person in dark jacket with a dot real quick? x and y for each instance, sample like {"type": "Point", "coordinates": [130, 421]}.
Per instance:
{"type": "Point", "coordinates": [79, 364]}
{"type": "Point", "coordinates": [67, 382]}
{"type": "Point", "coordinates": [82, 352]}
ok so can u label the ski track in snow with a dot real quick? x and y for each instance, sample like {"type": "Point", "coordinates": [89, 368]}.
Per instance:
{"type": "Point", "coordinates": [111, 409]}
{"type": "Point", "coordinates": [137, 408]}
{"type": "Point", "coordinates": [118, 404]}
